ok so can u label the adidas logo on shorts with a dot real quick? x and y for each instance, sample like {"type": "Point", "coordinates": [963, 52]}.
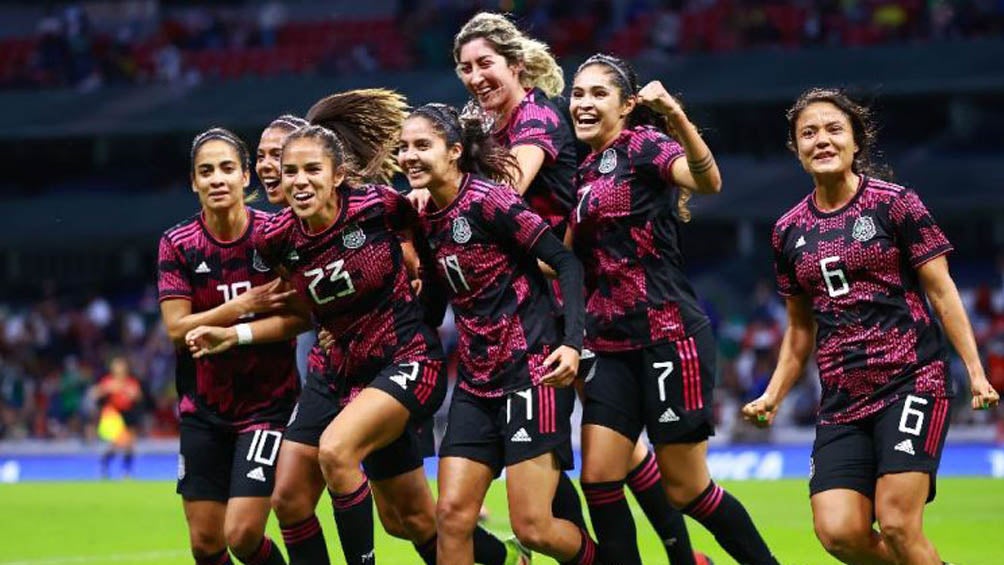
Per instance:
{"type": "Point", "coordinates": [257, 474]}
{"type": "Point", "coordinates": [202, 268]}
{"type": "Point", "coordinates": [668, 416]}
{"type": "Point", "coordinates": [906, 446]}
{"type": "Point", "coordinates": [521, 436]}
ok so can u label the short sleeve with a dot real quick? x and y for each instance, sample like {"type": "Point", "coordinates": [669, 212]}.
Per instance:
{"type": "Point", "coordinates": [172, 277]}
{"type": "Point", "coordinates": [917, 233]}
{"type": "Point", "coordinates": [508, 217]}
{"type": "Point", "coordinates": [399, 213]}
{"type": "Point", "coordinates": [652, 151]}
{"type": "Point", "coordinates": [784, 269]}
{"type": "Point", "coordinates": [539, 125]}
{"type": "Point", "coordinates": [270, 240]}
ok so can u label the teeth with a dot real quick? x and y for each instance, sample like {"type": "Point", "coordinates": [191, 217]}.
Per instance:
{"type": "Point", "coordinates": [302, 196]}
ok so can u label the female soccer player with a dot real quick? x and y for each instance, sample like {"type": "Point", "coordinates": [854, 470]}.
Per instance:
{"type": "Point", "coordinates": [269, 155]}
{"type": "Point", "coordinates": [340, 244]}
{"type": "Point", "coordinates": [234, 406]}
{"type": "Point", "coordinates": [655, 354]}
{"type": "Point", "coordinates": [856, 259]}
{"type": "Point", "coordinates": [510, 407]}
{"type": "Point", "coordinates": [516, 81]}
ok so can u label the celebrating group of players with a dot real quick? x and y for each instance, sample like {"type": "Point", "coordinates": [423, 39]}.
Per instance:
{"type": "Point", "coordinates": [607, 312]}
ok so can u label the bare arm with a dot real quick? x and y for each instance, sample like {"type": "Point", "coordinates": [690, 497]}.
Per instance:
{"type": "Point", "coordinates": [944, 298]}
{"type": "Point", "coordinates": [530, 159]}
{"type": "Point", "coordinates": [799, 339]}
{"type": "Point", "coordinates": [210, 340]}
{"type": "Point", "coordinates": [179, 318]}
{"type": "Point", "coordinates": [698, 171]}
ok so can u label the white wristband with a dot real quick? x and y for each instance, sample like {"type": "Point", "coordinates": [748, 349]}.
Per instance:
{"type": "Point", "coordinates": [244, 335]}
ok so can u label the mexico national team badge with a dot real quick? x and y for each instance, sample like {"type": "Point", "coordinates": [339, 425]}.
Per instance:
{"type": "Point", "coordinates": [461, 230]}
{"type": "Point", "coordinates": [258, 263]}
{"type": "Point", "coordinates": [353, 237]}
{"type": "Point", "coordinates": [864, 228]}
{"type": "Point", "coordinates": [608, 161]}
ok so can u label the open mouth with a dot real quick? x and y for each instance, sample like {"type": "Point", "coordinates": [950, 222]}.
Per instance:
{"type": "Point", "coordinates": [824, 156]}
{"type": "Point", "coordinates": [303, 197]}
{"type": "Point", "coordinates": [271, 185]}
{"type": "Point", "coordinates": [586, 120]}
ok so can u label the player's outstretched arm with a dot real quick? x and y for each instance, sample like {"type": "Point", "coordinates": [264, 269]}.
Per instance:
{"type": "Point", "coordinates": [179, 318]}
{"type": "Point", "coordinates": [799, 339]}
{"type": "Point", "coordinates": [944, 298]}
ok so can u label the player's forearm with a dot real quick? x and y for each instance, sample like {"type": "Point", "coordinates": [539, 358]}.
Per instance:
{"type": "Point", "coordinates": [279, 327]}
{"type": "Point", "coordinates": [700, 161]}
{"type": "Point", "coordinates": [795, 350]}
{"type": "Point", "coordinates": [948, 306]}
{"type": "Point", "coordinates": [223, 315]}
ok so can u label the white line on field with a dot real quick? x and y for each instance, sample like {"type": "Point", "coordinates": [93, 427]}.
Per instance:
{"type": "Point", "coordinates": [145, 556]}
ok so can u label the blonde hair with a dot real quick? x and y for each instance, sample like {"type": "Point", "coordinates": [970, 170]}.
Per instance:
{"type": "Point", "coordinates": [540, 69]}
{"type": "Point", "coordinates": [360, 130]}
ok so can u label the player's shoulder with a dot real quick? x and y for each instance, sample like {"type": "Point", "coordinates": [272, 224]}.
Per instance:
{"type": "Point", "coordinates": [882, 190]}
{"type": "Point", "coordinates": [799, 212]}
{"type": "Point", "coordinates": [537, 107]}
{"type": "Point", "coordinates": [183, 231]}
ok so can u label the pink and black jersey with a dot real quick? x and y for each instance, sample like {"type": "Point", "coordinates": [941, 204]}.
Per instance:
{"type": "Point", "coordinates": [354, 276]}
{"type": "Point", "coordinates": [876, 340]}
{"type": "Point", "coordinates": [627, 236]}
{"type": "Point", "coordinates": [538, 121]}
{"type": "Point", "coordinates": [507, 322]}
{"type": "Point", "coordinates": [248, 385]}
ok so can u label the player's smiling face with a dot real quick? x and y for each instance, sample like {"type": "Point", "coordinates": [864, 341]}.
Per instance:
{"type": "Point", "coordinates": [267, 163]}
{"type": "Point", "coordinates": [825, 139]}
{"type": "Point", "coordinates": [487, 75]}
{"type": "Point", "coordinates": [309, 179]}
{"type": "Point", "coordinates": [217, 176]}
{"type": "Point", "coordinates": [424, 156]}
{"type": "Point", "coordinates": [598, 107]}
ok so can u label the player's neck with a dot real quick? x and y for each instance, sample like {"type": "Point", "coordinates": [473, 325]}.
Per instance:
{"type": "Point", "coordinates": [506, 112]}
{"type": "Point", "coordinates": [226, 225]}
{"type": "Point", "coordinates": [325, 216]}
{"type": "Point", "coordinates": [444, 193]}
{"type": "Point", "coordinates": [835, 191]}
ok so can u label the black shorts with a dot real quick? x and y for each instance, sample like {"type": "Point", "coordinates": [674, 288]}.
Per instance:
{"type": "Point", "coordinates": [665, 389]}
{"type": "Point", "coordinates": [219, 464]}
{"type": "Point", "coordinates": [319, 404]}
{"type": "Point", "coordinates": [503, 431]}
{"type": "Point", "coordinates": [903, 437]}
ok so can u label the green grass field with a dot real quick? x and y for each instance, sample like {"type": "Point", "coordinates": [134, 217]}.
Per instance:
{"type": "Point", "coordinates": [142, 522]}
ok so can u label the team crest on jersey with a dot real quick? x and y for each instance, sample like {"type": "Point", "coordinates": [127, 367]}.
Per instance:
{"type": "Point", "coordinates": [608, 161]}
{"type": "Point", "coordinates": [461, 230]}
{"type": "Point", "coordinates": [864, 228]}
{"type": "Point", "coordinates": [258, 263]}
{"type": "Point", "coordinates": [353, 237]}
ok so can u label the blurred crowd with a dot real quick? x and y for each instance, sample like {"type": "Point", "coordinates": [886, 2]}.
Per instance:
{"type": "Point", "coordinates": [89, 45]}
{"type": "Point", "coordinates": [53, 351]}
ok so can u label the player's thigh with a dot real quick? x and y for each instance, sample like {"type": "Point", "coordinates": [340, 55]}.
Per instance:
{"type": "Point", "coordinates": [900, 499]}
{"type": "Point", "coordinates": [606, 454]}
{"type": "Point", "coordinates": [611, 419]}
{"type": "Point", "coordinates": [463, 484]}
{"type": "Point", "coordinates": [530, 488]}
{"type": "Point", "coordinates": [473, 432]}
{"type": "Point", "coordinates": [205, 520]}
{"type": "Point", "coordinates": [841, 516]}
{"type": "Point", "coordinates": [372, 420]}
{"type": "Point", "coordinates": [246, 518]}
{"type": "Point", "coordinates": [298, 482]}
